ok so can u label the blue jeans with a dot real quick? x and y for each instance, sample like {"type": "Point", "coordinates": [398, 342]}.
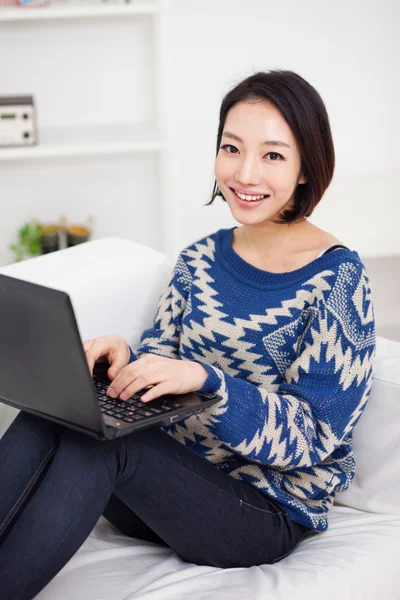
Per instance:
{"type": "Point", "coordinates": [55, 484]}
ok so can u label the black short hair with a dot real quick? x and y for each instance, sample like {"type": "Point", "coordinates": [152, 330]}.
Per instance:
{"type": "Point", "coordinates": [304, 111]}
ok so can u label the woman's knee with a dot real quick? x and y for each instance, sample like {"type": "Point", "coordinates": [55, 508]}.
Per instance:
{"type": "Point", "coordinates": [127, 522]}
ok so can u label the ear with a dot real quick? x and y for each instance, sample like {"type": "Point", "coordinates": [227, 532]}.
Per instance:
{"type": "Point", "coordinates": [302, 179]}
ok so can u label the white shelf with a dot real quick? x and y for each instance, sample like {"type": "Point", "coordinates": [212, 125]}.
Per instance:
{"type": "Point", "coordinates": [89, 140]}
{"type": "Point", "coordinates": [78, 11]}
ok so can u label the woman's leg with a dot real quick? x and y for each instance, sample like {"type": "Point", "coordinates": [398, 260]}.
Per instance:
{"type": "Point", "coordinates": [58, 516]}
{"type": "Point", "coordinates": [25, 455]}
{"type": "Point", "coordinates": [26, 451]}
{"type": "Point", "coordinates": [124, 519]}
{"type": "Point", "coordinates": [205, 515]}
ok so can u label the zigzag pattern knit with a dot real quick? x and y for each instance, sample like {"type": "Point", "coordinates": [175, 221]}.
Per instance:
{"type": "Point", "coordinates": [292, 356]}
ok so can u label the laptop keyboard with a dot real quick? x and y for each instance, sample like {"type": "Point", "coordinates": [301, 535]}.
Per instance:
{"type": "Point", "coordinates": [133, 409]}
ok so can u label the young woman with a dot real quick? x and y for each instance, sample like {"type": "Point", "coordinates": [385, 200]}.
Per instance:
{"type": "Point", "coordinates": [275, 316]}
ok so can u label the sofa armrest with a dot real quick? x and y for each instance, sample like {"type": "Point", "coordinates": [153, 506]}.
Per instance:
{"type": "Point", "coordinates": [114, 284]}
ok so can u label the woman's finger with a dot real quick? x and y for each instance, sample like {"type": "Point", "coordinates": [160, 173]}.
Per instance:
{"type": "Point", "coordinates": [133, 377]}
{"type": "Point", "coordinates": [138, 384]}
{"type": "Point", "coordinates": [124, 382]}
{"type": "Point", "coordinates": [87, 344]}
{"type": "Point", "coordinates": [90, 356]}
{"type": "Point", "coordinates": [156, 391]}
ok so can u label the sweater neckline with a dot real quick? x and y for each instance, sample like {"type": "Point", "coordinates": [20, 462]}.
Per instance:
{"type": "Point", "coordinates": [245, 271]}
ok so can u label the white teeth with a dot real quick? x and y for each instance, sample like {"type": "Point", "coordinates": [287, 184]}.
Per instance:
{"type": "Point", "coordinates": [251, 198]}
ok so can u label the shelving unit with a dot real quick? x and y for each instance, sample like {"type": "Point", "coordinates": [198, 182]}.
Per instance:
{"type": "Point", "coordinates": [89, 140]}
{"type": "Point", "coordinates": [78, 11]}
{"type": "Point", "coordinates": [92, 26]}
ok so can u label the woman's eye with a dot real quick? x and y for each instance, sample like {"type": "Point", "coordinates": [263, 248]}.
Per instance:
{"type": "Point", "coordinates": [275, 156]}
{"type": "Point", "coordinates": [229, 146]}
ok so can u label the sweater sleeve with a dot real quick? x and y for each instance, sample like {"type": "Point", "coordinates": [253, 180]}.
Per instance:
{"type": "Point", "coordinates": [163, 337]}
{"type": "Point", "coordinates": [321, 396]}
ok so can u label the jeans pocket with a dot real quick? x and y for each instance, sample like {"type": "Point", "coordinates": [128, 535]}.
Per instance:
{"type": "Point", "coordinates": [271, 507]}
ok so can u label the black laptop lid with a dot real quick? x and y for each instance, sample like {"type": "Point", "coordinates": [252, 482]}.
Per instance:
{"type": "Point", "coordinates": [43, 368]}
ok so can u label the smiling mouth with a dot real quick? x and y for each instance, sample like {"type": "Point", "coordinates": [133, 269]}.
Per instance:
{"type": "Point", "coordinates": [248, 198]}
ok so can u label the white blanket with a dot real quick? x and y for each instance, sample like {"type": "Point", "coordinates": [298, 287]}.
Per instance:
{"type": "Point", "coordinates": [357, 558]}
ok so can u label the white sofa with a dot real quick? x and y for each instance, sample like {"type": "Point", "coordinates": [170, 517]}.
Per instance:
{"type": "Point", "coordinates": [114, 285]}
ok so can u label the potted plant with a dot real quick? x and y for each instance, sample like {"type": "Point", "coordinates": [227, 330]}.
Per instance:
{"type": "Point", "coordinates": [29, 241]}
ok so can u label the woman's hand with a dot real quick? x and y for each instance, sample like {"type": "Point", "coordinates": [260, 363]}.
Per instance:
{"type": "Point", "coordinates": [111, 347]}
{"type": "Point", "coordinates": [165, 375]}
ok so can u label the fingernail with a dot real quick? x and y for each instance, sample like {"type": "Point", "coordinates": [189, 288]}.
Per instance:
{"type": "Point", "coordinates": [111, 393]}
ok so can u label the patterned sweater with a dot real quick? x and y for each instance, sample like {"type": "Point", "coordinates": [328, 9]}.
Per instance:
{"type": "Point", "coordinates": [292, 356]}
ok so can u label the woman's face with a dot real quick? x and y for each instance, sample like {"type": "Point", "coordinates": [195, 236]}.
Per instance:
{"type": "Point", "coordinates": [258, 155]}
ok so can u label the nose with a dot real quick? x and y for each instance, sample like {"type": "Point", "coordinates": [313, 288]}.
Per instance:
{"type": "Point", "coordinates": [248, 171]}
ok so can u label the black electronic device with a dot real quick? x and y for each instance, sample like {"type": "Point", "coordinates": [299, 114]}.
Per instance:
{"type": "Point", "coordinates": [44, 371]}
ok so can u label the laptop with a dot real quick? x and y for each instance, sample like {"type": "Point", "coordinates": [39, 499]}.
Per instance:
{"type": "Point", "coordinates": [44, 371]}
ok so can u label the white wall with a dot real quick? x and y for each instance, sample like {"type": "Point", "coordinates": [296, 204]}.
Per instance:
{"type": "Point", "coordinates": [348, 49]}
{"type": "Point", "coordinates": [92, 71]}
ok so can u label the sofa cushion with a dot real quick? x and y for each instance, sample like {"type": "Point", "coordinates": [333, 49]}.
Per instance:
{"type": "Point", "coordinates": [376, 439]}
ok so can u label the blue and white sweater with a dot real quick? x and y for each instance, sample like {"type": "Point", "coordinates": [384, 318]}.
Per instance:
{"type": "Point", "coordinates": [292, 356]}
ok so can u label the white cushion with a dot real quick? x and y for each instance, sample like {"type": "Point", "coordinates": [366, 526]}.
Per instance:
{"type": "Point", "coordinates": [114, 285]}
{"type": "Point", "coordinates": [357, 558]}
{"type": "Point", "coordinates": [376, 439]}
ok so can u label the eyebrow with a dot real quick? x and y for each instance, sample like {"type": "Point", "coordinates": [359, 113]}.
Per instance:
{"type": "Point", "coordinates": [268, 143]}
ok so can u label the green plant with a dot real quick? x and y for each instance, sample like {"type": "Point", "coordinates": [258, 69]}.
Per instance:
{"type": "Point", "coordinates": [29, 241]}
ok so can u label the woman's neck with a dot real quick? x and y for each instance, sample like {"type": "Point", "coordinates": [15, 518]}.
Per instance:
{"type": "Point", "coordinates": [272, 239]}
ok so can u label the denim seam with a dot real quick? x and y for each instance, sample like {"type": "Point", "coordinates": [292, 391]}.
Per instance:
{"type": "Point", "coordinates": [26, 490]}
{"type": "Point", "coordinates": [65, 535]}
{"type": "Point", "coordinates": [277, 514]}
